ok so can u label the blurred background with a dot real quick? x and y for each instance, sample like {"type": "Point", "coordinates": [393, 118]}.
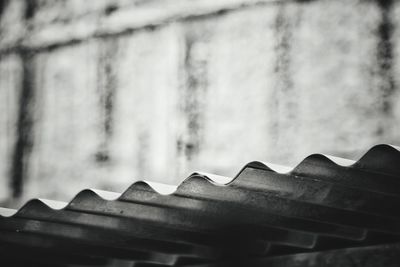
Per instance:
{"type": "Point", "coordinates": [100, 94]}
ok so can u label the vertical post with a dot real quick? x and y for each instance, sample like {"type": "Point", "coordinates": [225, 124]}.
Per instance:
{"type": "Point", "coordinates": [25, 121]}
{"type": "Point", "coordinates": [193, 95]}
{"type": "Point", "coordinates": [385, 60]}
{"type": "Point", "coordinates": [106, 86]}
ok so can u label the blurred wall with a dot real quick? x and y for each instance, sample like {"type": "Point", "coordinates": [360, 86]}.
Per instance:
{"type": "Point", "coordinates": [102, 93]}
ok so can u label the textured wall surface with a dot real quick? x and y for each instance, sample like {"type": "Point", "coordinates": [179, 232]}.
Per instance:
{"type": "Point", "coordinates": [102, 93]}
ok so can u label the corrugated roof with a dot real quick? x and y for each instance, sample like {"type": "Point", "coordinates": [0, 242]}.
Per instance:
{"type": "Point", "coordinates": [323, 212]}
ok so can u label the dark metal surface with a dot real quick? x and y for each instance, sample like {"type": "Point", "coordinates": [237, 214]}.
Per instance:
{"type": "Point", "coordinates": [318, 214]}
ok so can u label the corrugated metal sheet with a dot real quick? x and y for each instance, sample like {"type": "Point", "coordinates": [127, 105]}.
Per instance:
{"type": "Point", "coordinates": [324, 212]}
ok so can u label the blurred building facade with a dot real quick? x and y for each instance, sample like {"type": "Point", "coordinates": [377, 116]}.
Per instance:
{"type": "Point", "coordinates": [103, 93]}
